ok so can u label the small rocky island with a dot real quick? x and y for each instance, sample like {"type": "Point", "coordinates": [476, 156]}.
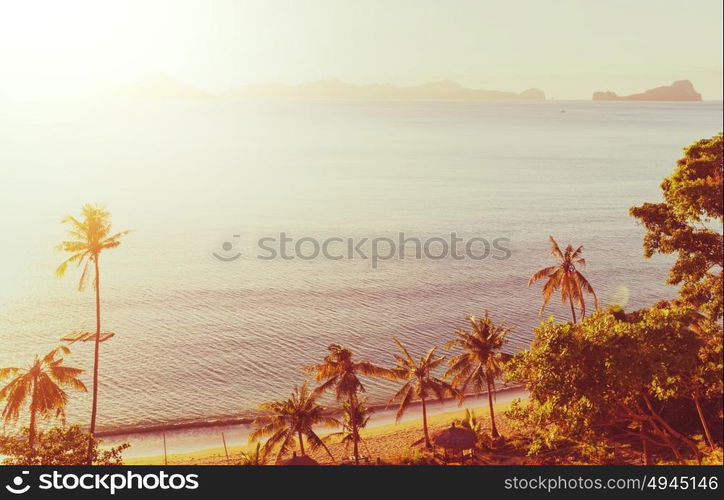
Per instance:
{"type": "Point", "coordinates": [683, 90]}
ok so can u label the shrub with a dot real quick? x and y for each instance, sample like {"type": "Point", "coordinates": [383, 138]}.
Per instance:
{"type": "Point", "coordinates": [58, 446]}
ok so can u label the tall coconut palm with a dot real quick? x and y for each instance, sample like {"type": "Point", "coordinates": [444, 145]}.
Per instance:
{"type": "Point", "coordinates": [40, 386]}
{"type": "Point", "coordinates": [340, 372]}
{"type": "Point", "coordinates": [421, 383]}
{"type": "Point", "coordinates": [290, 419]}
{"type": "Point", "coordinates": [565, 277]}
{"type": "Point", "coordinates": [480, 363]}
{"type": "Point", "coordinates": [89, 237]}
{"type": "Point", "coordinates": [356, 415]}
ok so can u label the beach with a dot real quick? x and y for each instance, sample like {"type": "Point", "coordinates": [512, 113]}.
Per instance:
{"type": "Point", "coordinates": [383, 438]}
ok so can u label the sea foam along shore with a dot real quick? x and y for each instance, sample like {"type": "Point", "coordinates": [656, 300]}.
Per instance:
{"type": "Point", "coordinates": [195, 442]}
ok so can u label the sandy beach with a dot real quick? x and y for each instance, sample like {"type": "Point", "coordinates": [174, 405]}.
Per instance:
{"type": "Point", "coordinates": [383, 438]}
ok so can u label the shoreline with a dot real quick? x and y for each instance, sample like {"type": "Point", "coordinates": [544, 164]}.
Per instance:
{"type": "Point", "coordinates": [197, 439]}
{"type": "Point", "coordinates": [232, 421]}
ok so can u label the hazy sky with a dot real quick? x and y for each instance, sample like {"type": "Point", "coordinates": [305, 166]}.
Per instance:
{"type": "Point", "coordinates": [569, 48]}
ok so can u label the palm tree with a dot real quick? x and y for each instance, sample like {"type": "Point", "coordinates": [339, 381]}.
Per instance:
{"type": "Point", "coordinates": [471, 421]}
{"type": "Point", "coordinates": [89, 237]}
{"type": "Point", "coordinates": [565, 277]}
{"type": "Point", "coordinates": [480, 363]}
{"type": "Point", "coordinates": [421, 383]}
{"type": "Point", "coordinates": [340, 372]}
{"type": "Point", "coordinates": [40, 384]}
{"type": "Point", "coordinates": [290, 419]}
{"type": "Point", "coordinates": [356, 415]}
{"type": "Point", "coordinates": [255, 458]}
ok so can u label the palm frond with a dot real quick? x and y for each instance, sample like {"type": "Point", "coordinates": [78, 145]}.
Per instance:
{"type": "Point", "coordinates": [403, 349]}
{"type": "Point", "coordinates": [555, 249]}
{"type": "Point", "coordinates": [546, 272]}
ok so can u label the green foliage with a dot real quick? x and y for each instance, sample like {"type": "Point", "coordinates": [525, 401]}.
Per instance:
{"type": "Point", "coordinates": [607, 374]}
{"type": "Point", "coordinates": [653, 372]}
{"type": "Point", "coordinates": [536, 421]}
{"type": "Point", "coordinates": [688, 223]}
{"type": "Point", "coordinates": [714, 458]}
{"type": "Point", "coordinates": [58, 446]}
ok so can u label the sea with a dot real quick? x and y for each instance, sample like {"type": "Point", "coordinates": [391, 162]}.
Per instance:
{"type": "Point", "coordinates": [263, 231]}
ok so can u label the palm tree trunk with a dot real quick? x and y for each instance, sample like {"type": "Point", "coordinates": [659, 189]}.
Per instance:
{"type": "Point", "coordinates": [573, 310]}
{"type": "Point", "coordinates": [355, 439]}
{"type": "Point", "coordinates": [94, 407]}
{"type": "Point", "coordinates": [353, 406]}
{"type": "Point", "coordinates": [707, 432]}
{"type": "Point", "coordinates": [301, 443]}
{"type": "Point", "coordinates": [424, 423]}
{"type": "Point", "coordinates": [32, 428]}
{"type": "Point", "coordinates": [494, 429]}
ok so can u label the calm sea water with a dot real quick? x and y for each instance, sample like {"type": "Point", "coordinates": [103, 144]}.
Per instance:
{"type": "Point", "coordinates": [198, 339]}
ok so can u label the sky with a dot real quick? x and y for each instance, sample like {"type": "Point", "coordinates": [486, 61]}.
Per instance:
{"type": "Point", "coordinates": [568, 48]}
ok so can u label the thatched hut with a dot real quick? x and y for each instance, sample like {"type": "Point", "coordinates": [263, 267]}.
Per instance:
{"type": "Point", "coordinates": [298, 460]}
{"type": "Point", "coordinates": [455, 442]}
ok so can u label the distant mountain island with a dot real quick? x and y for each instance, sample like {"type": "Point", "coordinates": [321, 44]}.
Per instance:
{"type": "Point", "coordinates": [683, 90]}
{"type": "Point", "coordinates": [160, 86]}
{"type": "Point", "coordinates": [336, 89]}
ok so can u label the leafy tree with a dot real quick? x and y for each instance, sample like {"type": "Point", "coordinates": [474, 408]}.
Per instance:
{"type": "Point", "coordinates": [290, 419]}
{"type": "Point", "coordinates": [58, 446]}
{"type": "Point", "coordinates": [688, 223]}
{"type": "Point", "coordinates": [565, 277]}
{"type": "Point", "coordinates": [480, 363]}
{"type": "Point", "coordinates": [40, 387]}
{"type": "Point", "coordinates": [89, 237]}
{"type": "Point", "coordinates": [421, 383]}
{"type": "Point", "coordinates": [706, 385]}
{"type": "Point", "coordinates": [341, 373]}
{"type": "Point", "coordinates": [607, 375]}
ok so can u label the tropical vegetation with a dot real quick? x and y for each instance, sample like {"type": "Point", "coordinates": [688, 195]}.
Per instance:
{"type": "Point", "coordinates": [420, 383]}
{"type": "Point", "coordinates": [89, 236]}
{"type": "Point", "coordinates": [339, 372]}
{"type": "Point", "coordinates": [566, 278]}
{"type": "Point", "coordinates": [601, 385]}
{"type": "Point", "coordinates": [40, 388]}
{"type": "Point", "coordinates": [289, 422]}
{"type": "Point", "coordinates": [481, 362]}
{"type": "Point", "coordinates": [58, 446]}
